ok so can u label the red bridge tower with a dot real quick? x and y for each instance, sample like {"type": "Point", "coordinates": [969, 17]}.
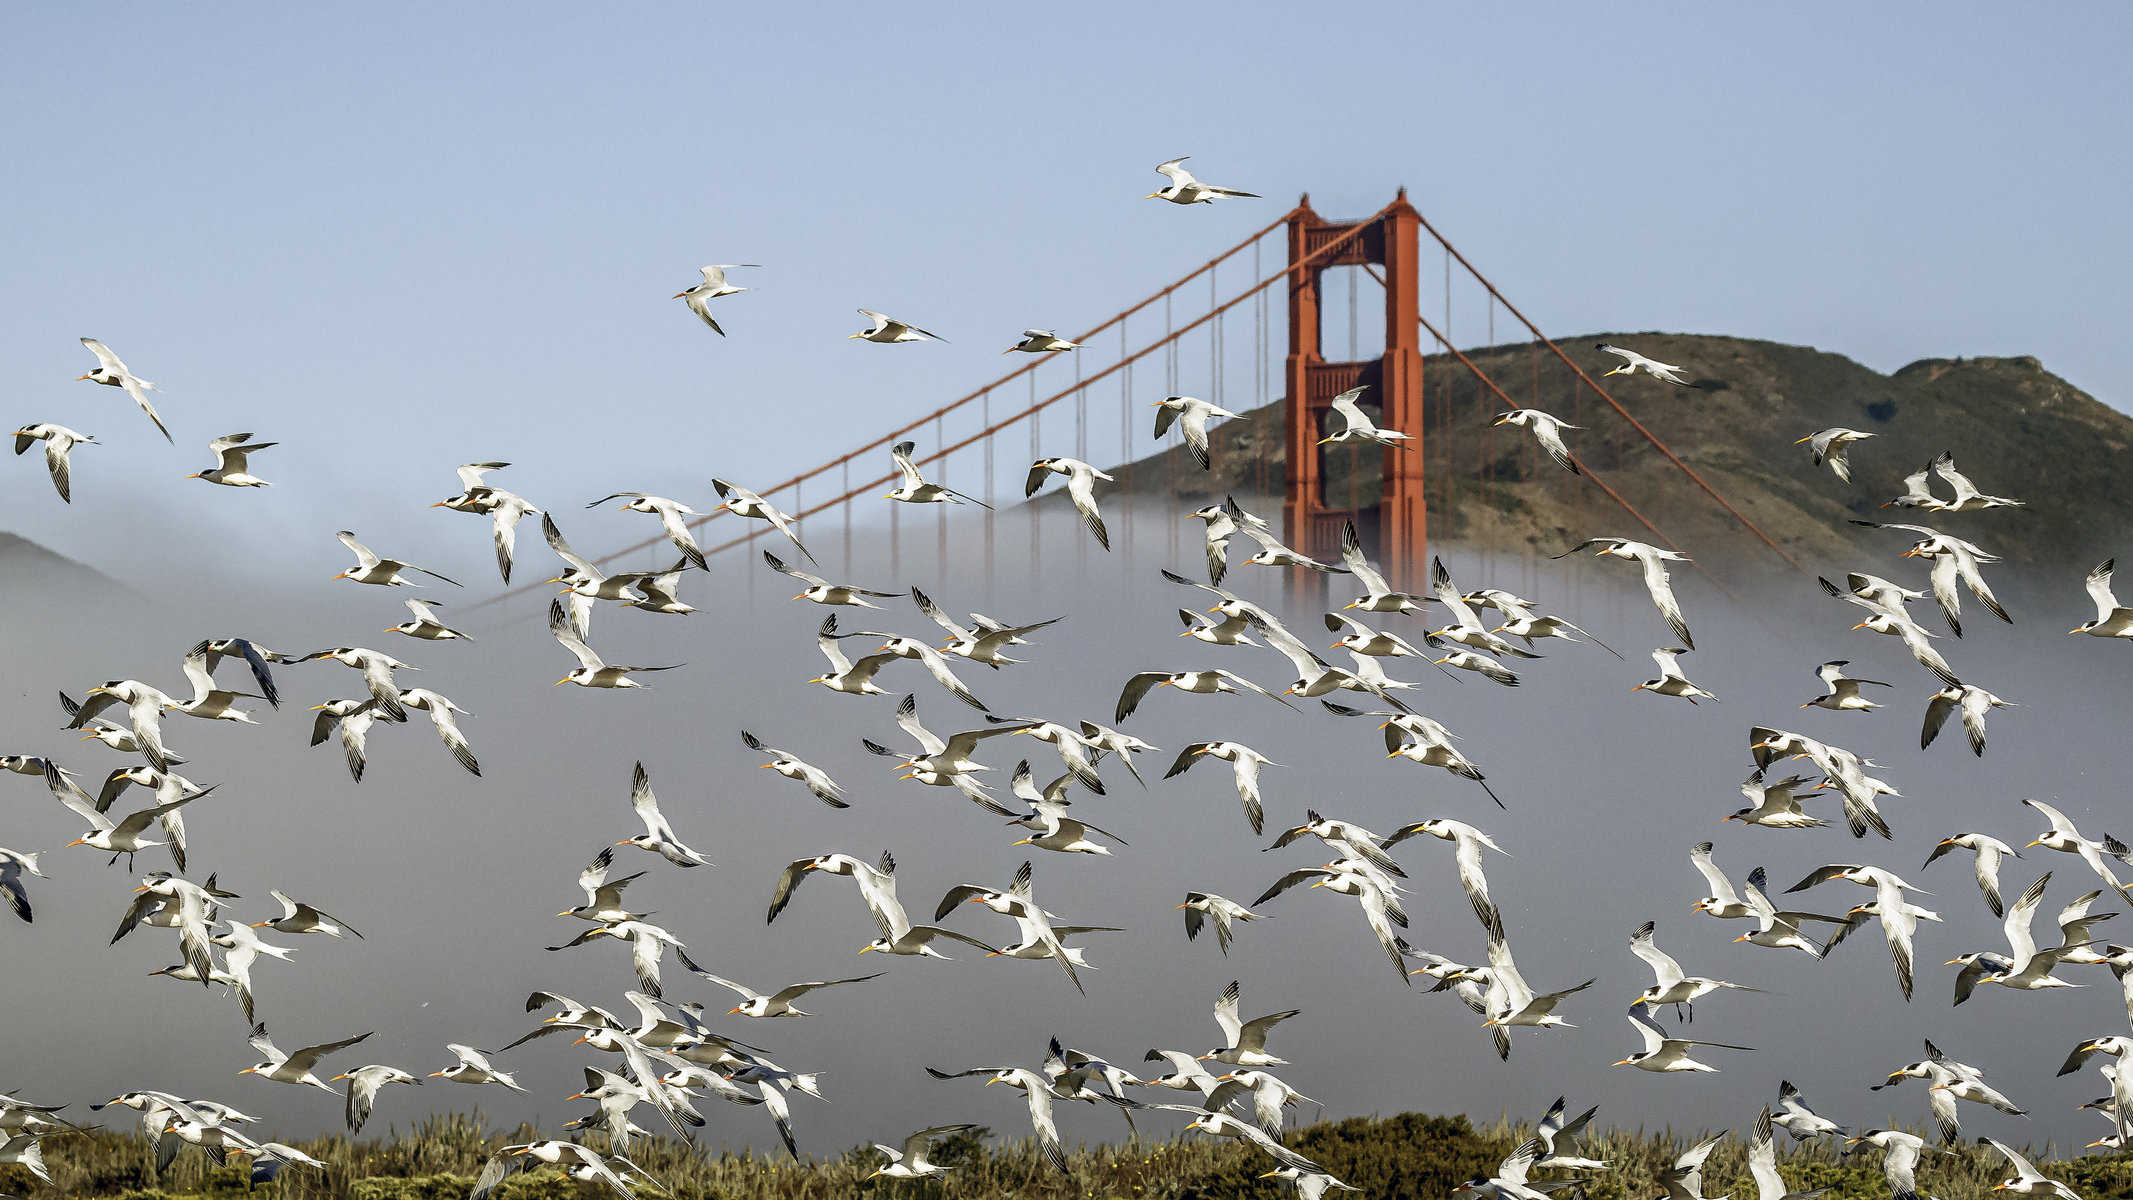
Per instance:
{"type": "Point", "coordinates": [1395, 533]}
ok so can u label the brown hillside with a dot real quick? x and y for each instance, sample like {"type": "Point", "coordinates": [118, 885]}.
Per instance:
{"type": "Point", "coordinates": [2015, 428]}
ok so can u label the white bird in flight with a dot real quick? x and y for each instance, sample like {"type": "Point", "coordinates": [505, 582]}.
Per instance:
{"type": "Point", "coordinates": [700, 296]}
{"type": "Point", "coordinates": [1830, 446]}
{"type": "Point", "coordinates": [888, 329]}
{"type": "Point", "coordinates": [112, 373]}
{"type": "Point", "coordinates": [1041, 341]}
{"type": "Point", "coordinates": [1632, 362]}
{"type": "Point", "coordinates": [231, 468]}
{"type": "Point", "coordinates": [59, 441]}
{"type": "Point", "coordinates": [1184, 189]}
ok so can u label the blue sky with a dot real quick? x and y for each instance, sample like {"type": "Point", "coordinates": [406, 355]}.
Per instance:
{"type": "Point", "coordinates": [401, 240]}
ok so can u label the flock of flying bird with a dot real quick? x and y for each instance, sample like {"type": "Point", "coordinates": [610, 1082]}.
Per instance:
{"type": "Point", "coordinates": [665, 1055]}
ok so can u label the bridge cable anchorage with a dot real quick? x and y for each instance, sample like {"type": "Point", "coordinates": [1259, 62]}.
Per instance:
{"type": "Point", "coordinates": [1639, 426]}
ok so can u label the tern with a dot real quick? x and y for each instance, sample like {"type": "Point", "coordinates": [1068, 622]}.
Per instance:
{"type": "Point", "coordinates": [822, 591]}
{"type": "Point", "coordinates": [1246, 1046]}
{"type": "Point", "coordinates": [670, 514]}
{"type": "Point", "coordinates": [593, 671]}
{"type": "Point", "coordinates": [2063, 837]}
{"type": "Point", "coordinates": [1509, 1182]}
{"type": "Point", "coordinates": [297, 1066]}
{"type": "Point", "coordinates": [443, 715]}
{"type": "Point", "coordinates": [1041, 341]}
{"type": "Point", "coordinates": [1795, 1117]}
{"type": "Point", "coordinates": [886, 328]}
{"type": "Point", "coordinates": [1899, 1160]}
{"type": "Point", "coordinates": [1722, 902]}
{"type": "Point", "coordinates": [2112, 620]}
{"type": "Point", "coordinates": [1664, 1054]}
{"type": "Point", "coordinates": [743, 503]}
{"type": "Point", "coordinates": [778, 1003]}
{"type": "Point", "coordinates": [1671, 681]}
{"type": "Point", "coordinates": [1632, 362]}
{"type": "Point", "coordinates": [1774, 803]}
{"type": "Point", "coordinates": [1991, 852]}
{"type": "Point", "coordinates": [1465, 628]}
{"type": "Point", "coordinates": [377, 668]}
{"type": "Point", "coordinates": [112, 373]}
{"type": "Point", "coordinates": [647, 944]}
{"type": "Point", "coordinates": [1841, 692]}
{"type": "Point", "coordinates": [1245, 763]}
{"type": "Point", "coordinates": [1967, 497]}
{"type": "Point", "coordinates": [1047, 817]}
{"type": "Point", "coordinates": [1653, 560]}
{"type": "Point", "coordinates": [1371, 889]}
{"type": "Point", "coordinates": [1184, 189]}
{"type": "Point", "coordinates": [1206, 909]}
{"type": "Point", "coordinates": [1273, 553]}
{"type": "Point", "coordinates": [1038, 1090]}
{"type": "Point", "coordinates": [1358, 638]}
{"type": "Point", "coordinates": [1547, 430]}
{"type": "Point", "coordinates": [1422, 740]}
{"type": "Point", "coordinates": [384, 572]}
{"type": "Point", "coordinates": [58, 442]}
{"type": "Point", "coordinates": [700, 296]}
{"type": "Point", "coordinates": [1378, 595]}
{"type": "Point", "coordinates": [658, 836]}
{"type": "Point", "coordinates": [1081, 489]}
{"type": "Point", "coordinates": [1672, 986]}
{"type": "Point", "coordinates": [473, 1068]}
{"type": "Point", "coordinates": [1203, 683]}
{"type": "Point", "coordinates": [1762, 1164]}
{"type": "Point", "coordinates": [1224, 521]}
{"type": "Point", "coordinates": [1899, 919]}
{"type": "Point", "coordinates": [1914, 638]}
{"type": "Point", "coordinates": [984, 640]}
{"type": "Point", "coordinates": [1973, 701]}
{"type": "Point", "coordinates": [231, 468]}
{"type": "Point", "coordinates": [1346, 837]}
{"type": "Point", "coordinates": [785, 763]}
{"type": "Point", "coordinates": [1190, 415]}
{"type": "Point", "coordinates": [2027, 966]}
{"type": "Point", "coordinates": [1558, 1137]}
{"type": "Point", "coordinates": [425, 624]}
{"type": "Point", "coordinates": [1467, 845]}
{"type": "Point", "coordinates": [1779, 929]}
{"type": "Point", "coordinates": [853, 677]}
{"type": "Point", "coordinates": [911, 1162]}
{"type": "Point", "coordinates": [13, 866]}
{"type": "Point", "coordinates": [144, 712]}
{"type": "Point", "coordinates": [1018, 901]}
{"type": "Point", "coordinates": [352, 719]}
{"type": "Point", "coordinates": [1509, 999]}
{"type": "Point", "coordinates": [1359, 427]}
{"type": "Point", "coordinates": [877, 885]}
{"type": "Point", "coordinates": [2027, 1180]}
{"type": "Point", "coordinates": [603, 897]}
{"type": "Point", "coordinates": [504, 509]}
{"type": "Point", "coordinates": [1829, 448]}
{"type": "Point", "coordinates": [242, 949]}
{"type": "Point", "coordinates": [299, 917]}
{"type": "Point", "coordinates": [1955, 561]}
{"type": "Point", "coordinates": [915, 490]}
{"type": "Point", "coordinates": [1944, 1074]}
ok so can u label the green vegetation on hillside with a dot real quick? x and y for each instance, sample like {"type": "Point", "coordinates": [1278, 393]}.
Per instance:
{"type": "Point", "coordinates": [1393, 1157]}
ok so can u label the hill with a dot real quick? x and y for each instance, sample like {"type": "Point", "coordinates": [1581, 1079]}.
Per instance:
{"type": "Point", "coordinates": [2015, 428]}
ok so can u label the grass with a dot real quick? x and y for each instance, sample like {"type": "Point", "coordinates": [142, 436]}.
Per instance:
{"type": "Point", "coordinates": [1404, 1156]}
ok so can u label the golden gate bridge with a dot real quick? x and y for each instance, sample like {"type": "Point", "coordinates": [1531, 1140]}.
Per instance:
{"type": "Point", "coordinates": [1211, 334]}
